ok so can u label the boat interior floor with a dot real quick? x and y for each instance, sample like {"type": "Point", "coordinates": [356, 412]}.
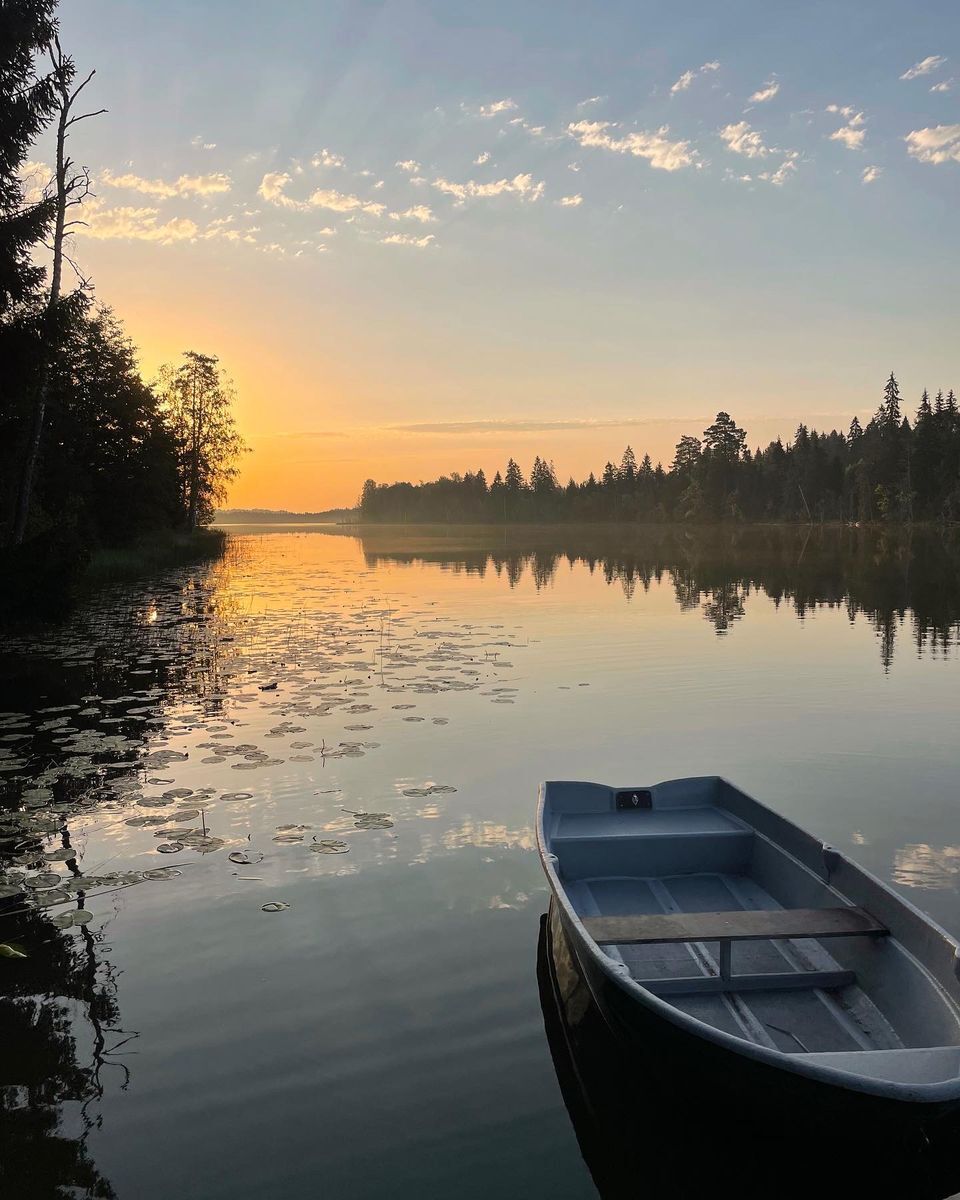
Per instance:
{"type": "Point", "coordinates": [796, 1017]}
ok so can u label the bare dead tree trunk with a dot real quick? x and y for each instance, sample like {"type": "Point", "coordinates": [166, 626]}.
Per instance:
{"type": "Point", "coordinates": [71, 190]}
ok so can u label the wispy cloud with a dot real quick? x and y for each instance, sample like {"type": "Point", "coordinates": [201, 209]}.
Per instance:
{"type": "Point", "coordinates": [522, 186]}
{"type": "Point", "coordinates": [410, 165]}
{"type": "Point", "coordinates": [741, 138]}
{"type": "Point", "coordinates": [408, 239]}
{"type": "Point", "coordinates": [418, 212]}
{"type": "Point", "coordinates": [926, 66]}
{"type": "Point", "coordinates": [272, 189]}
{"type": "Point", "coordinates": [186, 185]}
{"type": "Point", "coordinates": [590, 101]}
{"type": "Point", "coordinates": [767, 92]}
{"type": "Point", "coordinates": [570, 201]}
{"type": "Point", "coordinates": [687, 78]}
{"type": "Point", "coordinates": [945, 85]}
{"type": "Point", "coordinates": [497, 107]}
{"type": "Point", "coordinates": [871, 174]}
{"type": "Point", "coordinates": [784, 172]}
{"type": "Point", "coordinates": [938, 144]}
{"type": "Point", "coordinates": [199, 144]}
{"type": "Point", "coordinates": [327, 158]}
{"type": "Point", "coordinates": [851, 134]}
{"type": "Point", "coordinates": [483, 157]}
{"type": "Point", "coordinates": [656, 147]}
{"type": "Point", "coordinates": [135, 224]}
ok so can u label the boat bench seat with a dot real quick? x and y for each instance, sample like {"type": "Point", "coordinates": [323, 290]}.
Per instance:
{"type": "Point", "coordinates": [739, 925]}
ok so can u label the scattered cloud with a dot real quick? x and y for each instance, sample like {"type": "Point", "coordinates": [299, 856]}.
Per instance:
{"type": "Point", "coordinates": [140, 224]}
{"type": "Point", "coordinates": [341, 202]}
{"type": "Point", "coordinates": [574, 166]}
{"type": "Point", "coordinates": [851, 137]}
{"type": "Point", "coordinates": [410, 165]}
{"type": "Point", "coordinates": [871, 174]}
{"type": "Point", "coordinates": [926, 66]}
{"type": "Point", "coordinates": [408, 239]}
{"type": "Point", "coordinates": [327, 158]}
{"type": "Point", "coordinates": [570, 201]}
{"type": "Point", "coordinates": [655, 147]}
{"type": "Point", "coordinates": [522, 186]}
{"type": "Point", "coordinates": [419, 212]}
{"type": "Point", "coordinates": [590, 100]}
{"type": "Point", "coordinates": [200, 144]}
{"type": "Point", "coordinates": [272, 189]}
{"type": "Point", "coordinates": [767, 92]}
{"type": "Point", "coordinates": [497, 107]}
{"type": "Point", "coordinates": [34, 178]}
{"type": "Point", "coordinates": [851, 134]}
{"type": "Point", "coordinates": [945, 85]}
{"type": "Point", "coordinates": [780, 176]}
{"type": "Point", "coordinates": [688, 77]}
{"type": "Point", "coordinates": [939, 144]}
{"type": "Point", "coordinates": [186, 185]}
{"type": "Point", "coordinates": [482, 158]}
{"type": "Point", "coordinates": [743, 139]}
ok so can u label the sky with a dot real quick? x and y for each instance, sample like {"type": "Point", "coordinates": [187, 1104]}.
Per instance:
{"type": "Point", "coordinates": [423, 236]}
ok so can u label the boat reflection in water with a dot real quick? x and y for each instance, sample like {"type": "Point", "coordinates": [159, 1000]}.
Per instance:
{"type": "Point", "coordinates": [645, 1130]}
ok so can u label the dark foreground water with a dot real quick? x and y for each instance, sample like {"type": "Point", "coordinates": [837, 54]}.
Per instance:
{"type": "Point", "coordinates": [266, 830]}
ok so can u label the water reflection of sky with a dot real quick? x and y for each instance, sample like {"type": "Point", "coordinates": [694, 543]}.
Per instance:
{"type": "Point", "coordinates": [357, 730]}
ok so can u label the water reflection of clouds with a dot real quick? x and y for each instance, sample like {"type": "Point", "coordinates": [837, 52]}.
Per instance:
{"type": "Point", "coordinates": [923, 866]}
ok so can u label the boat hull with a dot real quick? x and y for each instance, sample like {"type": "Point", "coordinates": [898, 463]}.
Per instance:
{"type": "Point", "coordinates": [753, 1083]}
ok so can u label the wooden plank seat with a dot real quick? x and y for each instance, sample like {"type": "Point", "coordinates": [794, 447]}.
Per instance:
{"type": "Point", "coordinates": [739, 925]}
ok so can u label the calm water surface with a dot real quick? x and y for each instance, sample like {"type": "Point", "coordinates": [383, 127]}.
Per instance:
{"type": "Point", "coordinates": [354, 728]}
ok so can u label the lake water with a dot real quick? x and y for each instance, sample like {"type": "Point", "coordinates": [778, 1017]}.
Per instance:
{"type": "Point", "coordinates": [353, 727]}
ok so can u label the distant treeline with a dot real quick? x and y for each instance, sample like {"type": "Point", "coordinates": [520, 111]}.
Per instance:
{"type": "Point", "coordinates": [279, 516]}
{"type": "Point", "coordinates": [91, 454]}
{"type": "Point", "coordinates": [891, 471]}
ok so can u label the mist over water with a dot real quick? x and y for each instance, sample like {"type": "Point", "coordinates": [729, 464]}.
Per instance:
{"type": "Point", "coordinates": [267, 840]}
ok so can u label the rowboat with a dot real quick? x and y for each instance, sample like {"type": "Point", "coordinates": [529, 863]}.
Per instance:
{"type": "Point", "coordinates": [706, 923]}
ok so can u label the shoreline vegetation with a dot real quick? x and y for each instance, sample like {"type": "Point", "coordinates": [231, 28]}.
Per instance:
{"type": "Point", "coordinates": [888, 472]}
{"type": "Point", "coordinates": [103, 473]}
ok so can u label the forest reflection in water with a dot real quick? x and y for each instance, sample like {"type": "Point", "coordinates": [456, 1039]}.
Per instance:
{"type": "Point", "coordinates": [433, 675]}
{"type": "Point", "coordinates": [902, 581]}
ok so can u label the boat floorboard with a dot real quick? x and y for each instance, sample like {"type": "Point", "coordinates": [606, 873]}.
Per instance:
{"type": "Point", "coordinates": [797, 1021]}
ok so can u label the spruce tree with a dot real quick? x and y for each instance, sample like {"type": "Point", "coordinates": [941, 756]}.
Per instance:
{"type": "Point", "coordinates": [28, 101]}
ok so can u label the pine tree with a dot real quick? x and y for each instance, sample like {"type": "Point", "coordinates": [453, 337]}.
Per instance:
{"type": "Point", "coordinates": [27, 104]}
{"type": "Point", "coordinates": [514, 481]}
{"type": "Point", "coordinates": [888, 414]}
{"type": "Point", "coordinates": [628, 466]}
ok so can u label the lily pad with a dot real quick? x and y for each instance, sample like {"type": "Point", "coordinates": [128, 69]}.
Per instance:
{"type": "Point", "coordinates": [169, 847]}
{"type": "Point", "coordinates": [274, 906]}
{"type": "Point", "coordinates": [330, 846]}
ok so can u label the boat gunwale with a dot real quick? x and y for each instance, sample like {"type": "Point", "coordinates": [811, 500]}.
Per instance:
{"type": "Point", "coordinates": [939, 1091]}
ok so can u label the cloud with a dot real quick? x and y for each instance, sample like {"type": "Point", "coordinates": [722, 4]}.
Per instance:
{"type": "Point", "coordinates": [742, 139]}
{"type": "Point", "coordinates": [200, 144]}
{"type": "Point", "coordinates": [780, 176]}
{"type": "Point", "coordinates": [938, 144]}
{"type": "Point", "coordinates": [590, 100]}
{"type": "Point", "coordinates": [570, 201]}
{"type": "Point", "coordinates": [408, 239]}
{"type": "Point", "coordinates": [871, 174]}
{"type": "Point", "coordinates": [186, 185]}
{"type": "Point", "coordinates": [767, 92]}
{"type": "Point", "coordinates": [851, 137]}
{"type": "Point", "coordinates": [139, 224]}
{"type": "Point", "coordinates": [945, 85]}
{"type": "Point", "coordinates": [482, 158]}
{"type": "Point", "coordinates": [34, 178]}
{"type": "Point", "coordinates": [272, 190]}
{"type": "Point", "coordinates": [688, 77]}
{"type": "Point", "coordinates": [326, 158]}
{"type": "Point", "coordinates": [341, 202]}
{"type": "Point", "coordinates": [655, 147]}
{"type": "Point", "coordinates": [498, 106]}
{"type": "Point", "coordinates": [419, 212]}
{"type": "Point", "coordinates": [522, 186]}
{"type": "Point", "coordinates": [410, 165]}
{"type": "Point", "coordinates": [926, 66]}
